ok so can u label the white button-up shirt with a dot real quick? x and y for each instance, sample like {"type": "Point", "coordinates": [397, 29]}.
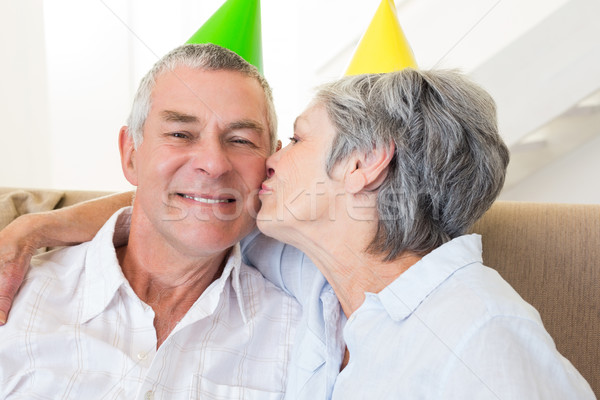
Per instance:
{"type": "Point", "coordinates": [78, 331]}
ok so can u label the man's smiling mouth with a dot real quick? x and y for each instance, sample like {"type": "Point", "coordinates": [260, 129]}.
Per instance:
{"type": "Point", "coordinates": [205, 200]}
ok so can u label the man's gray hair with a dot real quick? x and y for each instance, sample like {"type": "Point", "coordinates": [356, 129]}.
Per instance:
{"type": "Point", "coordinates": [449, 163]}
{"type": "Point", "coordinates": [208, 57]}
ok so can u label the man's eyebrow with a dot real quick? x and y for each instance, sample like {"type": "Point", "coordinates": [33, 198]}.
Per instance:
{"type": "Point", "coordinates": [174, 116]}
{"type": "Point", "coordinates": [247, 124]}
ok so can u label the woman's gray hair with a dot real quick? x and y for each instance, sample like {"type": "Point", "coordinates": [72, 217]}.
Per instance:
{"type": "Point", "coordinates": [449, 163]}
{"type": "Point", "coordinates": [208, 57]}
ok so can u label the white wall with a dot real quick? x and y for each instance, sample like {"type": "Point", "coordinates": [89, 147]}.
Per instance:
{"type": "Point", "coordinates": [25, 153]}
{"type": "Point", "coordinates": [571, 179]}
{"type": "Point", "coordinates": [89, 92]}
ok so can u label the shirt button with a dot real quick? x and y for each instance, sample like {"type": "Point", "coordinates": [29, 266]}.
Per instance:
{"type": "Point", "coordinates": [149, 395]}
{"type": "Point", "coordinates": [142, 356]}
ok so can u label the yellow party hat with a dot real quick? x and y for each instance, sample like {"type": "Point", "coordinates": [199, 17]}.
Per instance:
{"type": "Point", "coordinates": [383, 47]}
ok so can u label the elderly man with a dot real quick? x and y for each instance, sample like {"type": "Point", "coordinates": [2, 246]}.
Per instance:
{"type": "Point", "coordinates": [159, 304]}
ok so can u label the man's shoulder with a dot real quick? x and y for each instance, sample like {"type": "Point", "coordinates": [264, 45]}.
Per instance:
{"type": "Point", "coordinates": [69, 262]}
{"type": "Point", "coordinates": [50, 293]}
{"type": "Point", "coordinates": [250, 276]}
{"type": "Point", "coordinates": [58, 273]}
{"type": "Point", "coordinates": [254, 284]}
{"type": "Point", "coordinates": [59, 263]}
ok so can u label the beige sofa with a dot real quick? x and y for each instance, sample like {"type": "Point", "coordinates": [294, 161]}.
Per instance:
{"type": "Point", "coordinates": [550, 253]}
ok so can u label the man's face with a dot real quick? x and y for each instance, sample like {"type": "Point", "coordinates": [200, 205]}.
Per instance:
{"type": "Point", "coordinates": [201, 161]}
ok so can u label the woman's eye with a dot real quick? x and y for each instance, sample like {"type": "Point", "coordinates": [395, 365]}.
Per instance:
{"type": "Point", "coordinates": [294, 139]}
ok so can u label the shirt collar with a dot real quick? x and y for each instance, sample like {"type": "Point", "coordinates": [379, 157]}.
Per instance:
{"type": "Point", "coordinates": [402, 297]}
{"type": "Point", "coordinates": [104, 275]}
{"type": "Point", "coordinates": [207, 303]}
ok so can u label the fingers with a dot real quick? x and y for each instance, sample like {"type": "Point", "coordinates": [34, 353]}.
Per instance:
{"type": "Point", "coordinates": [11, 277]}
{"type": "Point", "coordinates": [17, 246]}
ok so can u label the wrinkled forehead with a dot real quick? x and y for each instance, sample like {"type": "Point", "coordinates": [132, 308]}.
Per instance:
{"type": "Point", "coordinates": [227, 95]}
{"type": "Point", "coordinates": [315, 120]}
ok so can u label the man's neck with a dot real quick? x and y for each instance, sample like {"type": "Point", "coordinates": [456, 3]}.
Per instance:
{"type": "Point", "coordinates": [170, 285]}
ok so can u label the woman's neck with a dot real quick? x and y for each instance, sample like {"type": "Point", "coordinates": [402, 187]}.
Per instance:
{"type": "Point", "coordinates": [339, 251]}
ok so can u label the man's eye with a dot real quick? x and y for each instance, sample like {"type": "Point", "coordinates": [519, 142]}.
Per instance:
{"type": "Point", "coordinates": [242, 141]}
{"type": "Point", "coordinates": [179, 135]}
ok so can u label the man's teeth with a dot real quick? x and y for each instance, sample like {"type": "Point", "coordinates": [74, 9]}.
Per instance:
{"type": "Point", "coordinates": [207, 201]}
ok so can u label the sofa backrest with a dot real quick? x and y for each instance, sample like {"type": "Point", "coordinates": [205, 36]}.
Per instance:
{"type": "Point", "coordinates": [18, 201]}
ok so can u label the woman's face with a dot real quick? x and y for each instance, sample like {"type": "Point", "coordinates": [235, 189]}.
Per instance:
{"type": "Point", "coordinates": [298, 192]}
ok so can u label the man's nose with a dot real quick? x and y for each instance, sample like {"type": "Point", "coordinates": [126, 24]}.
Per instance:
{"type": "Point", "coordinates": [211, 158]}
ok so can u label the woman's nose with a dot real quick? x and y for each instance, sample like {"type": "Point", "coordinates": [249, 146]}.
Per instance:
{"type": "Point", "coordinates": [272, 161]}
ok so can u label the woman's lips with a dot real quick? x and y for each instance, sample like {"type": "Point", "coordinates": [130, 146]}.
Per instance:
{"type": "Point", "coordinates": [264, 189]}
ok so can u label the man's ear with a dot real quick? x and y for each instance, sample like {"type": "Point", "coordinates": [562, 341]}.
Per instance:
{"type": "Point", "coordinates": [368, 171]}
{"type": "Point", "coordinates": [128, 153]}
{"type": "Point", "coordinates": [278, 145]}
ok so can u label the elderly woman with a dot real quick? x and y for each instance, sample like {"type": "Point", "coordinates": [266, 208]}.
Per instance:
{"type": "Point", "coordinates": [383, 177]}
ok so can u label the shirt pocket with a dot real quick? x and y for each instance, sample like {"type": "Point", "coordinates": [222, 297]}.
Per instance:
{"type": "Point", "coordinates": [205, 389]}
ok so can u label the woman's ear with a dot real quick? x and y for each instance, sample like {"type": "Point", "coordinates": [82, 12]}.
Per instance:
{"type": "Point", "coordinates": [128, 152]}
{"type": "Point", "coordinates": [368, 171]}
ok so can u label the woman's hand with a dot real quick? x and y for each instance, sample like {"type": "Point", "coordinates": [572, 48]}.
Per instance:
{"type": "Point", "coordinates": [18, 243]}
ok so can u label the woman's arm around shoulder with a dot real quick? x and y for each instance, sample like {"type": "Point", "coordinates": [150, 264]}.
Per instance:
{"type": "Point", "coordinates": [62, 227]}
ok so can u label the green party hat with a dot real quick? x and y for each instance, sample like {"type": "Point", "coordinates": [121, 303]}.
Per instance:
{"type": "Point", "coordinates": [235, 26]}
